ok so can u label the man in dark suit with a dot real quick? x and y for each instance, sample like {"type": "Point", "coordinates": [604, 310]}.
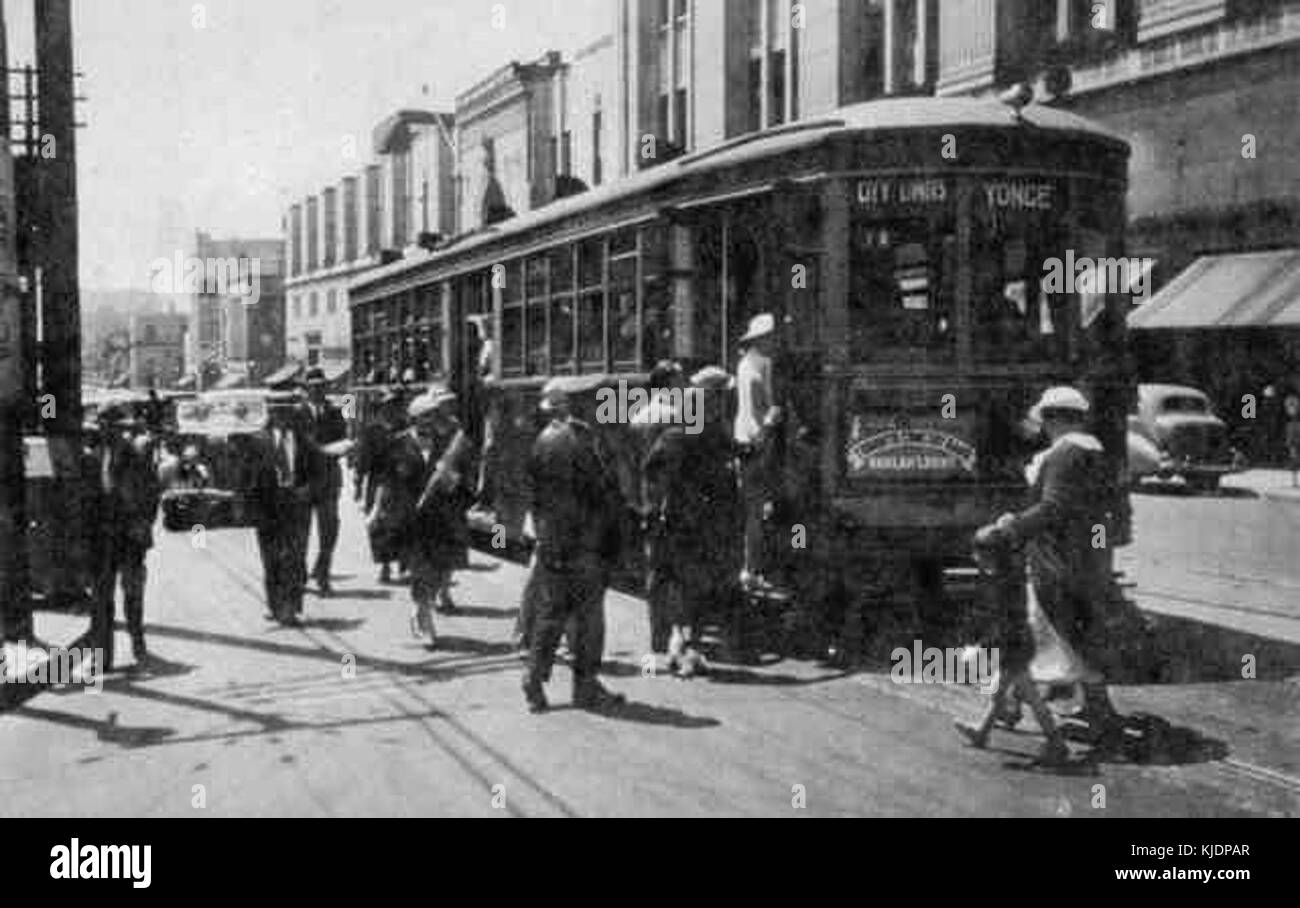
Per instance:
{"type": "Point", "coordinates": [284, 515]}
{"type": "Point", "coordinates": [576, 509]}
{"type": "Point", "coordinates": [325, 426]}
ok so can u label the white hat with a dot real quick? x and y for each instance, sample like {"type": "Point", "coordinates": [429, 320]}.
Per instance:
{"type": "Point", "coordinates": [760, 326]}
{"type": "Point", "coordinates": [713, 378]}
{"type": "Point", "coordinates": [1062, 397]}
{"type": "Point", "coordinates": [429, 402]}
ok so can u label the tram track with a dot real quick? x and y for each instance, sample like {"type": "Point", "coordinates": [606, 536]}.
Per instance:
{"type": "Point", "coordinates": [428, 717]}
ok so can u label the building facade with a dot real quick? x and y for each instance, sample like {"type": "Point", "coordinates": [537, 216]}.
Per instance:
{"type": "Point", "coordinates": [236, 331]}
{"type": "Point", "coordinates": [402, 202]}
{"type": "Point", "coordinates": [157, 357]}
{"type": "Point", "coordinates": [506, 141]}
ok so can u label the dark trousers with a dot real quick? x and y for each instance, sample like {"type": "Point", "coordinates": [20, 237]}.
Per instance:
{"type": "Point", "coordinates": [282, 542]}
{"type": "Point", "coordinates": [325, 505]}
{"type": "Point", "coordinates": [124, 559]}
{"type": "Point", "coordinates": [576, 594]}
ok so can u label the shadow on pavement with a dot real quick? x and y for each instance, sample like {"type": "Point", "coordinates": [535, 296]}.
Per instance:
{"type": "Point", "coordinates": [479, 611]}
{"type": "Point", "coordinates": [361, 595]}
{"type": "Point", "coordinates": [473, 646]}
{"type": "Point", "coordinates": [646, 714]}
{"type": "Point", "coordinates": [336, 625]}
{"type": "Point", "coordinates": [1146, 740]}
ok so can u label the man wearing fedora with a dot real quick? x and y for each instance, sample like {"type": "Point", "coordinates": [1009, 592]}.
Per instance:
{"type": "Point", "coordinates": [757, 419]}
{"type": "Point", "coordinates": [576, 508]}
{"type": "Point", "coordinates": [325, 426]}
{"type": "Point", "coordinates": [129, 494]}
{"type": "Point", "coordinates": [284, 514]}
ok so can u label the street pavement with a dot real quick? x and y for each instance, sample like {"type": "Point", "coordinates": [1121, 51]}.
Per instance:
{"type": "Point", "coordinates": [238, 717]}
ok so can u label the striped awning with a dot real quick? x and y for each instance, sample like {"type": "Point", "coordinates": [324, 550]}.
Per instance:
{"type": "Point", "coordinates": [1241, 290]}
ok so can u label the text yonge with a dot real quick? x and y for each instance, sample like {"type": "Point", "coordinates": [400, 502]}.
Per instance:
{"type": "Point", "coordinates": [102, 862]}
{"type": "Point", "coordinates": [1019, 195]}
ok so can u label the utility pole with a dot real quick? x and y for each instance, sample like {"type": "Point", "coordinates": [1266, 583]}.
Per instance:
{"type": "Point", "coordinates": [58, 252]}
{"type": "Point", "coordinates": [13, 381]}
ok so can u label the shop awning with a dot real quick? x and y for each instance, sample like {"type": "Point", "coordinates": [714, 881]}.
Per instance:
{"type": "Point", "coordinates": [1242, 290]}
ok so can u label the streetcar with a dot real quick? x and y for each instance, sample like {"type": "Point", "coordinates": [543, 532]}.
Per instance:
{"type": "Point", "coordinates": [902, 246]}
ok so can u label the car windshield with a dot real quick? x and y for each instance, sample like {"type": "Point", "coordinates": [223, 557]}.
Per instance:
{"type": "Point", "coordinates": [222, 413]}
{"type": "Point", "coordinates": [1184, 403]}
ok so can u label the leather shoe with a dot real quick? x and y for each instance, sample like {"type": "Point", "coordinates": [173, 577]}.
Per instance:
{"type": "Point", "coordinates": [595, 696]}
{"type": "Point", "coordinates": [535, 696]}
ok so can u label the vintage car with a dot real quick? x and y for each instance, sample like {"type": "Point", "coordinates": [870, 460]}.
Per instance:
{"type": "Point", "coordinates": [209, 466]}
{"type": "Point", "coordinates": [1189, 440]}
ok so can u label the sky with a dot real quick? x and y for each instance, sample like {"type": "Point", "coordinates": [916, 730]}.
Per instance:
{"type": "Point", "coordinates": [215, 115]}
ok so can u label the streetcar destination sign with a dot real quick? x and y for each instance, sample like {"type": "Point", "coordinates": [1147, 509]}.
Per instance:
{"type": "Point", "coordinates": [911, 451]}
{"type": "Point", "coordinates": [1015, 195]}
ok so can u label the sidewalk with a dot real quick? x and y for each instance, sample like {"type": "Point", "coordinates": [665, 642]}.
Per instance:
{"type": "Point", "coordinates": [1274, 485]}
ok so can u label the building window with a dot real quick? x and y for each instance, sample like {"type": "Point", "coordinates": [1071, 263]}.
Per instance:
{"type": "Point", "coordinates": [295, 243]}
{"type": "Point", "coordinates": [297, 307]}
{"type": "Point", "coordinates": [313, 348]}
{"type": "Point", "coordinates": [313, 305]}
{"type": "Point", "coordinates": [597, 169]}
{"type": "Point", "coordinates": [313, 234]}
{"type": "Point", "coordinates": [151, 334]}
{"type": "Point", "coordinates": [331, 228]}
{"type": "Point", "coordinates": [773, 78]}
{"type": "Point", "coordinates": [674, 72]}
{"type": "Point", "coordinates": [332, 301]}
{"type": "Point", "coordinates": [350, 219]}
{"type": "Point", "coordinates": [566, 153]}
{"type": "Point", "coordinates": [373, 208]}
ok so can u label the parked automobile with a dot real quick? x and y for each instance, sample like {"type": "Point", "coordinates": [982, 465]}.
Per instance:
{"type": "Point", "coordinates": [210, 467]}
{"type": "Point", "coordinates": [1188, 439]}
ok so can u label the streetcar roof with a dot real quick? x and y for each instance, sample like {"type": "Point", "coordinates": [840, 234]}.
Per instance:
{"type": "Point", "coordinates": [866, 117]}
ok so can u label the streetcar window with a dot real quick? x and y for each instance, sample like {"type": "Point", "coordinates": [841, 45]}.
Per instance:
{"type": "Point", "coordinates": [512, 340]}
{"type": "Point", "coordinates": [591, 330]}
{"type": "Point", "coordinates": [512, 320]}
{"type": "Point", "coordinates": [623, 316]}
{"type": "Point", "coordinates": [562, 269]}
{"type": "Point", "coordinates": [538, 290]}
{"type": "Point", "coordinates": [562, 324]}
{"type": "Point", "coordinates": [1013, 318]}
{"type": "Point", "coordinates": [900, 296]}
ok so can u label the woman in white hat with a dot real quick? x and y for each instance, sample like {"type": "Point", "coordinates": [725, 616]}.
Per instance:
{"type": "Point", "coordinates": [1070, 575]}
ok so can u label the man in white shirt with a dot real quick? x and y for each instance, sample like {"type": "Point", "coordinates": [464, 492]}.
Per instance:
{"type": "Point", "coordinates": [757, 416]}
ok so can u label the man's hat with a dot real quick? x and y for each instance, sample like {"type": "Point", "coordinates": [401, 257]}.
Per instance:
{"type": "Point", "coordinates": [664, 371]}
{"type": "Point", "coordinates": [760, 326]}
{"type": "Point", "coordinates": [558, 390]}
{"type": "Point", "coordinates": [713, 378]}
{"type": "Point", "coordinates": [314, 376]}
{"type": "Point", "coordinates": [1061, 397]}
{"type": "Point", "coordinates": [430, 401]}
